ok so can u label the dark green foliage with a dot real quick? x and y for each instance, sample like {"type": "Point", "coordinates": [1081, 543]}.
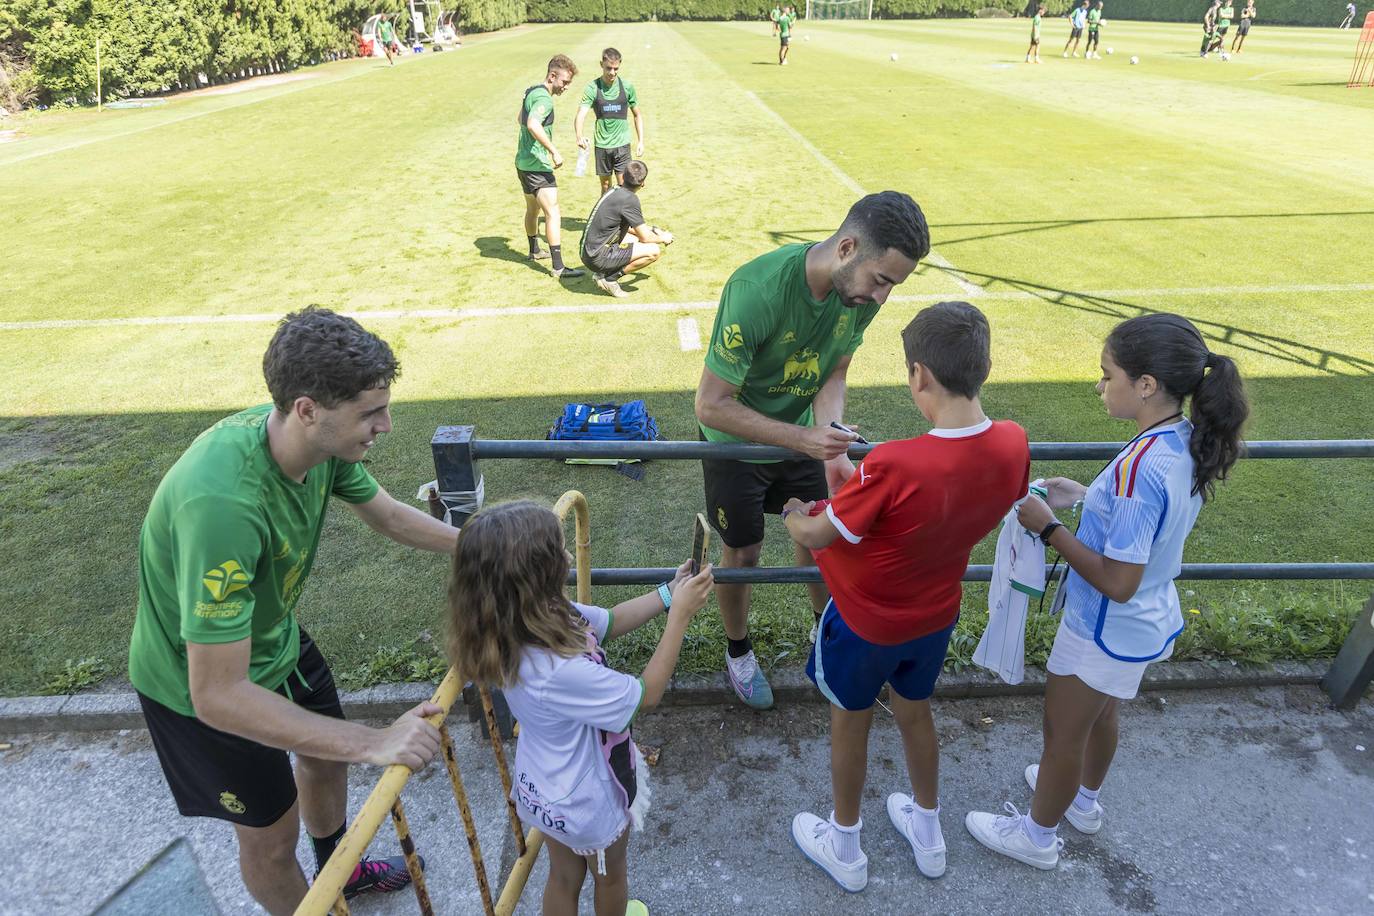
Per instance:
{"type": "Point", "coordinates": [158, 45]}
{"type": "Point", "coordinates": [1273, 12]}
{"type": "Point", "coordinates": [639, 10]}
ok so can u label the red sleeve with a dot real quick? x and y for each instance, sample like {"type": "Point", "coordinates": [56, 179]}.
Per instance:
{"type": "Point", "coordinates": [863, 498]}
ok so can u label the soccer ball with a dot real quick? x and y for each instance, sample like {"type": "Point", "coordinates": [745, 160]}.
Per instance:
{"type": "Point", "coordinates": [894, 55]}
{"type": "Point", "coordinates": [1134, 60]}
{"type": "Point", "coordinates": [1111, 51]}
{"type": "Point", "coordinates": [1225, 56]}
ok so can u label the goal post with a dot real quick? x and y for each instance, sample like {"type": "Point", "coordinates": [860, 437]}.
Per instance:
{"type": "Point", "coordinates": [1362, 73]}
{"type": "Point", "coordinates": [838, 9]}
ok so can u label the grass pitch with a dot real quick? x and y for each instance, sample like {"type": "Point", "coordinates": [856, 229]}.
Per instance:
{"type": "Point", "coordinates": [146, 252]}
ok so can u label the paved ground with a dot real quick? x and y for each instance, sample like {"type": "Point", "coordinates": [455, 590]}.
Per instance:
{"type": "Point", "coordinates": [1254, 801]}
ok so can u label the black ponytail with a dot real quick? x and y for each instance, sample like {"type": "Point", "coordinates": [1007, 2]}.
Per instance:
{"type": "Point", "coordinates": [1172, 350]}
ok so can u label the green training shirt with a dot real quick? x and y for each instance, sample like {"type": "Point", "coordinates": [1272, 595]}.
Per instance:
{"type": "Point", "coordinates": [611, 132]}
{"type": "Point", "coordinates": [1225, 15]}
{"type": "Point", "coordinates": [1094, 17]}
{"type": "Point", "coordinates": [785, 25]}
{"type": "Point", "coordinates": [530, 155]}
{"type": "Point", "coordinates": [775, 342]}
{"type": "Point", "coordinates": [224, 553]}
{"type": "Point", "coordinates": [1035, 26]}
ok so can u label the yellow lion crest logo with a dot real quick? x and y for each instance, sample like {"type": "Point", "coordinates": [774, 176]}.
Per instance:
{"type": "Point", "coordinates": [804, 364]}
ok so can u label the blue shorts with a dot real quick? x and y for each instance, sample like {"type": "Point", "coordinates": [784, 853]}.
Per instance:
{"type": "Point", "coordinates": [851, 671]}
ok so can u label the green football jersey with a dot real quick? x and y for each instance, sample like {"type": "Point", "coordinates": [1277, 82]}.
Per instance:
{"type": "Point", "coordinates": [224, 553]}
{"type": "Point", "coordinates": [777, 343]}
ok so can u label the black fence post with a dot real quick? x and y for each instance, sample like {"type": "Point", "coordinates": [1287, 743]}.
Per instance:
{"type": "Point", "coordinates": [455, 466]}
{"type": "Point", "coordinates": [1353, 669]}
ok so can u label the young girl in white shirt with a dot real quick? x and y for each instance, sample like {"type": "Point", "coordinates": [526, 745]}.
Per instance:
{"type": "Point", "coordinates": [579, 778]}
{"type": "Point", "coordinates": [1121, 609]}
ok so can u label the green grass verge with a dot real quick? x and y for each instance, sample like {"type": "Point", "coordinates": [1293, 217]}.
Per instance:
{"type": "Point", "coordinates": [1231, 193]}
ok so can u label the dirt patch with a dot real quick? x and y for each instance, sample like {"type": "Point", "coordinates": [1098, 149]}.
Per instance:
{"type": "Point", "coordinates": [44, 440]}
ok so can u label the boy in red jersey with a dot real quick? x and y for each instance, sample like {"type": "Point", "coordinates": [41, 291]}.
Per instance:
{"type": "Point", "coordinates": [892, 545]}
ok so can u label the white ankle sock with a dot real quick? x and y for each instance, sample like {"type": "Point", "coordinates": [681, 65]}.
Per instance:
{"type": "Point", "coordinates": [1086, 798]}
{"type": "Point", "coordinates": [1040, 836]}
{"type": "Point", "coordinates": [925, 824]}
{"type": "Point", "coordinates": [846, 840]}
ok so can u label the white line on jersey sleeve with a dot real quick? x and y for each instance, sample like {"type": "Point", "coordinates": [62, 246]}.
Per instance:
{"type": "Point", "coordinates": [839, 526]}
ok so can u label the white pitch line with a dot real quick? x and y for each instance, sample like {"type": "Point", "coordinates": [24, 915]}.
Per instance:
{"type": "Point", "coordinates": [644, 308]}
{"type": "Point", "coordinates": [934, 258]}
{"type": "Point", "coordinates": [688, 334]}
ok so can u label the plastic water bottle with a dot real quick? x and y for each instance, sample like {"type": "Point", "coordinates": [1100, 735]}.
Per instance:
{"type": "Point", "coordinates": [581, 168]}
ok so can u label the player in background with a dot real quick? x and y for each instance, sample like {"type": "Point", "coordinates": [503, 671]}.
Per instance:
{"type": "Point", "coordinates": [1035, 35]}
{"type": "Point", "coordinates": [1209, 26]}
{"type": "Point", "coordinates": [1078, 19]}
{"type": "Point", "coordinates": [1094, 32]}
{"type": "Point", "coordinates": [535, 159]}
{"type": "Point", "coordinates": [1121, 609]}
{"type": "Point", "coordinates": [773, 17]}
{"type": "Point", "coordinates": [386, 34]}
{"type": "Point", "coordinates": [893, 545]}
{"type": "Point", "coordinates": [614, 100]}
{"type": "Point", "coordinates": [1247, 15]}
{"type": "Point", "coordinates": [789, 16]}
{"type": "Point", "coordinates": [615, 220]}
{"type": "Point", "coordinates": [1225, 13]}
{"type": "Point", "coordinates": [1349, 15]}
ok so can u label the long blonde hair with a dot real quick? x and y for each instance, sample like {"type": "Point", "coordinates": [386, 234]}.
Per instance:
{"type": "Point", "coordinates": [505, 592]}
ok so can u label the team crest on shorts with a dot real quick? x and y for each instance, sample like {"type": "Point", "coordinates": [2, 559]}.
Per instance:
{"type": "Point", "coordinates": [720, 518]}
{"type": "Point", "coordinates": [231, 803]}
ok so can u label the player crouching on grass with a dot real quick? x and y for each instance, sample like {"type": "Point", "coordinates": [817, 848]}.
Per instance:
{"type": "Point", "coordinates": [616, 240]}
{"type": "Point", "coordinates": [892, 545]}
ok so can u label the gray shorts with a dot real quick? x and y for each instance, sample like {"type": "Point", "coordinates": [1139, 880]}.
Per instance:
{"type": "Point", "coordinates": [612, 161]}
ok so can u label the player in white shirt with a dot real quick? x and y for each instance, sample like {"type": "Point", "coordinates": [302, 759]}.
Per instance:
{"type": "Point", "coordinates": [579, 778]}
{"type": "Point", "coordinates": [1121, 610]}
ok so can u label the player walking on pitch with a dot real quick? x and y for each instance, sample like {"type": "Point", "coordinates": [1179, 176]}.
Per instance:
{"type": "Point", "coordinates": [614, 100]}
{"type": "Point", "coordinates": [1094, 32]}
{"type": "Point", "coordinates": [1035, 35]}
{"type": "Point", "coordinates": [228, 680]}
{"type": "Point", "coordinates": [1349, 15]}
{"type": "Point", "coordinates": [785, 20]}
{"type": "Point", "coordinates": [535, 159]}
{"type": "Point", "coordinates": [1247, 16]}
{"type": "Point", "coordinates": [786, 330]}
{"type": "Point", "coordinates": [1077, 20]}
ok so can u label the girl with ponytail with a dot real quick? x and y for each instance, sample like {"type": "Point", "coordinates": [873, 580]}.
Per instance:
{"type": "Point", "coordinates": [1121, 609]}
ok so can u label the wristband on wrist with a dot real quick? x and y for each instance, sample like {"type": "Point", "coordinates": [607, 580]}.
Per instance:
{"type": "Point", "coordinates": [665, 595]}
{"type": "Point", "coordinates": [1048, 532]}
{"type": "Point", "coordinates": [786, 511]}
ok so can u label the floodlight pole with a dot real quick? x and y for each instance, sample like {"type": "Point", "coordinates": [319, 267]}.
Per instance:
{"type": "Point", "coordinates": [99, 95]}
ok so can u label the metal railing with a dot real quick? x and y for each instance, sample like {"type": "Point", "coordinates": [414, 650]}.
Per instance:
{"type": "Point", "coordinates": [456, 453]}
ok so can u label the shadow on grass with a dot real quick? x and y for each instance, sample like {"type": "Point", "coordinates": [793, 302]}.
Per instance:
{"type": "Point", "coordinates": [502, 249]}
{"type": "Point", "coordinates": [74, 489]}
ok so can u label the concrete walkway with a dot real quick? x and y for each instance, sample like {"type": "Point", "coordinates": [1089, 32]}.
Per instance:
{"type": "Point", "coordinates": [1235, 801]}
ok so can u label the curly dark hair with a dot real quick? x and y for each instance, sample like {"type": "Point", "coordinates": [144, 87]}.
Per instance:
{"type": "Point", "coordinates": [327, 357]}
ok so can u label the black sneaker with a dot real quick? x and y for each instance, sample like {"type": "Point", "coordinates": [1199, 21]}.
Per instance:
{"type": "Point", "coordinates": [380, 875]}
{"type": "Point", "coordinates": [567, 273]}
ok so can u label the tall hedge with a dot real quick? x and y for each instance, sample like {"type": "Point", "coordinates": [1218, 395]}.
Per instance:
{"type": "Point", "coordinates": [152, 45]}
{"type": "Point", "coordinates": [1273, 12]}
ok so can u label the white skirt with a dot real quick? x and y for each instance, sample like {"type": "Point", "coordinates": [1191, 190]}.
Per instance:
{"type": "Point", "coordinates": [1084, 659]}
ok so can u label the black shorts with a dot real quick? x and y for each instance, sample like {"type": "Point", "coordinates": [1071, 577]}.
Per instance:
{"type": "Point", "coordinates": [216, 774]}
{"type": "Point", "coordinates": [612, 161]}
{"type": "Point", "coordinates": [608, 259]}
{"type": "Point", "coordinates": [1035, 41]}
{"type": "Point", "coordinates": [1076, 33]}
{"type": "Point", "coordinates": [739, 493]}
{"type": "Point", "coordinates": [1092, 36]}
{"type": "Point", "coordinates": [531, 182]}
{"type": "Point", "coordinates": [1221, 33]}
{"type": "Point", "coordinates": [785, 39]}
{"type": "Point", "coordinates": [1244, 27]}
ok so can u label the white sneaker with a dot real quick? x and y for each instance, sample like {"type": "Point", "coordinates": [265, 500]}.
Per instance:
{"type": "Point", "coordinates": [1088, 822]}
{"type": "Point", "coordinates": [1005, 834]}
{"type": "Point", "coordinates": [901, 810]}
{"type": "Point", "coordinates": [815, 631]}
{"type": "Point", "coordinates": [812, 836]}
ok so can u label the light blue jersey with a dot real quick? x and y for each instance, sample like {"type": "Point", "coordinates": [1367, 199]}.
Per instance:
{"type": "Point", "coordinates": [1140, 509]}
{"type": "Point", "coordinates": [1079, 17]}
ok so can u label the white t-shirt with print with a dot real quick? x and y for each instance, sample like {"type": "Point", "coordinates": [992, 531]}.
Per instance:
{"type": "Point", "coordinates": [562, 784]}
